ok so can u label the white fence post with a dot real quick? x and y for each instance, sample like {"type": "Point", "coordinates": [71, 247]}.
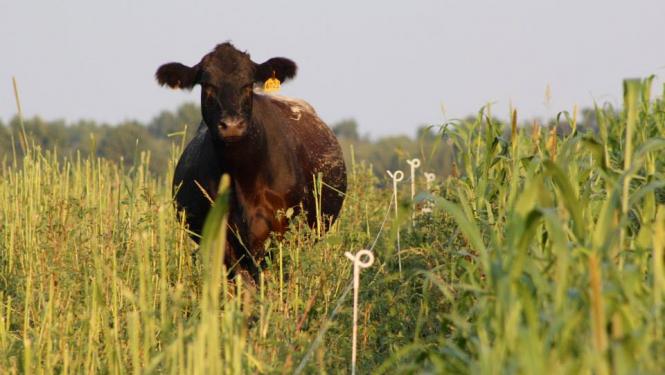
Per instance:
{"type": "Point", "coordinates": [429, 178]}
{"type": "Point", "coordinates": [397, 176]}
{"type": "Point", "coordinates": [358, 263]}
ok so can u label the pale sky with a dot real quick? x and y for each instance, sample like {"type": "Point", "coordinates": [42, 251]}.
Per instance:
{"type": "Point", "coordinates": [390, 65]}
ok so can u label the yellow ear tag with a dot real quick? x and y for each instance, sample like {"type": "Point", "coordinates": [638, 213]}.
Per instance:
{"type": "Point", "coordinates": [271, 84]}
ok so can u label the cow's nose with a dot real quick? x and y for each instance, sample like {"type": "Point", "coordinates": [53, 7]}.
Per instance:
{"type": "Point", "coordinates": [231, 128]}
{"type": "Point", "coordinates": [226, 124]}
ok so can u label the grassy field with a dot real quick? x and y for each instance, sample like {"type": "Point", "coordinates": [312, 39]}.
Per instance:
{"type": "Point", "coordinates": [543, 254]}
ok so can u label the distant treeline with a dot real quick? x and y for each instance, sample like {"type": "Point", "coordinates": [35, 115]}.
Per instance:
{"type": "Point", "coordinates": [123, 141]}
{"type": "Point", "coordinates": [126, 141]}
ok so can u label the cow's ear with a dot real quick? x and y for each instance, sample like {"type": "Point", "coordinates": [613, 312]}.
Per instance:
{"type": "Point", "coordinates": [177, 75]}
{"type": "Point", "coordinates": [283, 69]}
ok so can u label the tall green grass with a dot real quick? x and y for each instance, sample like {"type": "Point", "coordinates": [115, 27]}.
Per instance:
{"type": "Point", "coordinates": [544, 254]}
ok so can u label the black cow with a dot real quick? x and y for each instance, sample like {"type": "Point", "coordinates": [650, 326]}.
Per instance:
{"type": "Point", "coordinates": [270, 145]}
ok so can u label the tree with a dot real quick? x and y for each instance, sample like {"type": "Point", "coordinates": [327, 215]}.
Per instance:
{"type": "Point", "coordinates": [5, 142]}
{"type": "Point", "coordinates": [426, 133]}
{"type": "Point", "coordinates": [168, 122]}
{"type": "Point", "coordinates": [347, 129]}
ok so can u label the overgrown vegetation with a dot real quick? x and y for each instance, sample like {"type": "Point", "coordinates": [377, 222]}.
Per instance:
{"type": "Point", "coordinates": [543, 254]}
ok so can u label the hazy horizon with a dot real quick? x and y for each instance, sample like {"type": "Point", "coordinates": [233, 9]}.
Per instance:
{"type": "Point", "coordinates": [391, 68]}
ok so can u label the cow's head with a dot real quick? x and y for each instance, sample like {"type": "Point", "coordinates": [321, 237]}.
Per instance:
{"type": "Point", "coordinates": [227, 78]}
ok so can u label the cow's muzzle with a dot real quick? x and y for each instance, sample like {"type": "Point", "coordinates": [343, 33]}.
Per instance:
{"type": "Point", "coordinates": [231, 129]}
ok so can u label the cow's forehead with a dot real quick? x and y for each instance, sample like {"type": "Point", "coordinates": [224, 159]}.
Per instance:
{"type": "Point", "coordinates": [225, 62]}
